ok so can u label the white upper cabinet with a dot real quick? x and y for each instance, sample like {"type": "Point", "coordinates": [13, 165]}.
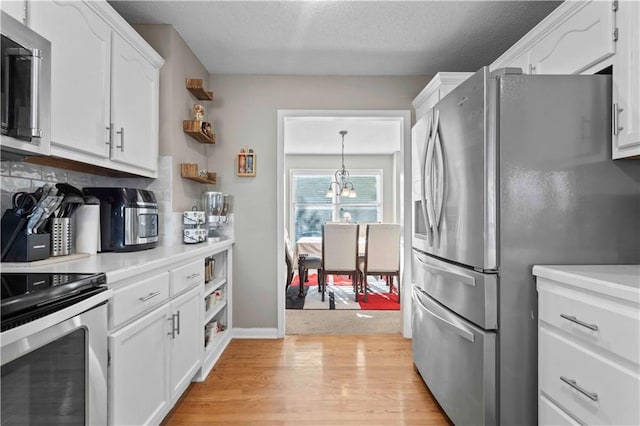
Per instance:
{"type": "Point", "coordinates": [583, 36]}
{"type": "Point", "coordinates": [15, 8]}
{"type": "Point", "coordinates": [587, 36]}
{"type": "Point", "coordinates": [626, 82]}
{"type": "Point", "coordinates": [438, 87]}
{"type": "Point", "coordinates": [105, 86]}
{"type": "Point", "coordinates": [134, 107]}
{"type": "Point", "coordinates": [80, 50]}
{"type": "Point", "coordinates": [571, 39]}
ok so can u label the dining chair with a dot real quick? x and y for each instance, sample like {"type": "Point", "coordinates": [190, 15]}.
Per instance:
{"type": "Point", "coordinates": [288, 258]}
{"type": "Point", "coordinates": [381, 254]}
{"type": "Point", "coordinates": [340, 252]}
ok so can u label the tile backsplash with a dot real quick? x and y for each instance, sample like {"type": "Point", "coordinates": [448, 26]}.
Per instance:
{"type": "Point", "coordinates": [21, 176]}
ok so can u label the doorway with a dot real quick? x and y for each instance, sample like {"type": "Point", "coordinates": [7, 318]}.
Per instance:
{"type": "Point", "coordinates": [306, 128]}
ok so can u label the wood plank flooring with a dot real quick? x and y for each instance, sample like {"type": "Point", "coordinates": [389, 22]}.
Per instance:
{"type": "Point", "coordinates": [311, 380]}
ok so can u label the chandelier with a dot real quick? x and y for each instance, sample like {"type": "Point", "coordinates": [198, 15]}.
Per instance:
{"type": "Point", "coordinates": [342, 185]}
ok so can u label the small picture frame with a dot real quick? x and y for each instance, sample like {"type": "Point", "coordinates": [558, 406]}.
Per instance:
{"type": "Point", "coordinates": [246, 164]}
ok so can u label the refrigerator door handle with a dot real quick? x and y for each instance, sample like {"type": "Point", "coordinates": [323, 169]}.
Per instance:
{"type": "Point", "coordinates": [463, 278]}
{"type": "Point", "coordinates": [462, 332]}
{"type": "Point", "coordinates": [428, 178]}
{"type": "Point", "coordinates": [439, 164]}
{"type": "Point", "coordinates": [423, 192]}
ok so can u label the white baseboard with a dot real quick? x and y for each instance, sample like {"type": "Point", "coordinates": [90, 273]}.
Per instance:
{"type": "Point", "coordinates": [255, 333]}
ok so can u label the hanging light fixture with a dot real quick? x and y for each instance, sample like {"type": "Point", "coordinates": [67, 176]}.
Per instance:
{"type": "Point", "coordinates": [342, 185]}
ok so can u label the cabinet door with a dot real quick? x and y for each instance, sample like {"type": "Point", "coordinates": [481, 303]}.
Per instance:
{"type": "Point", "coordinates": [80, 58]}
{"type": "Point", "coordinates": [580, 38]}
{"type": "Point", "coordinates": [138, 373]}
{"type": "Point", "coordinates": [626, 82]}
{"type": "Point", "coordinates": [14, 8]}
{"type": "Point", "coordinates": [134, 107]}
{"type": "Point", "coordinates": [187, 344]}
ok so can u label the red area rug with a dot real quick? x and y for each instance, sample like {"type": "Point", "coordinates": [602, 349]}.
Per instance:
{"type": "Point", "coordinates": [340, 296]}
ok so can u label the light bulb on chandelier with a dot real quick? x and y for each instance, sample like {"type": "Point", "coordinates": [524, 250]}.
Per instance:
{"type": "Point", "coordinates": [343, 186]}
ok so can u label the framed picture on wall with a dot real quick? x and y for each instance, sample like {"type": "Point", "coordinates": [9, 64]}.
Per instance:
{"type": "Point", "coordinates": [246, 163]}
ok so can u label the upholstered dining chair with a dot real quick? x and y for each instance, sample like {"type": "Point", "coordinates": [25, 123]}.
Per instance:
{"type": "Point", "coordinates": [340, 252]}
{"type": "Point", "coordinates": [381, 254]}
{"type": "Point", "coordinates": [311, 262]}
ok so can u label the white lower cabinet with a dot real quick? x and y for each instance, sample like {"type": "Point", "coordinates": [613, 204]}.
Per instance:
{"type": "Point", "coordinates": [588, 344]}
{"type": "Point", "coordinates": [138, 365]}
{"type": "Point", "coordinates": [159, 341]}
{"type": "Point", "coordinates": [186, 340]}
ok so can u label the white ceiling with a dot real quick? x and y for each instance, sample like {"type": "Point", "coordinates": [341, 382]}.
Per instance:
{"type": "Point", "coordinates": [342, 37]}
{"type": "Point", "coordinates": [320, 135]}
{"type": "Point", "coordinates": [345, 37]}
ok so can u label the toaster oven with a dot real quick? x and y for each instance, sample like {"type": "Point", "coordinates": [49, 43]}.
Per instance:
{"type": "Point", "coordinates": [128, 218]}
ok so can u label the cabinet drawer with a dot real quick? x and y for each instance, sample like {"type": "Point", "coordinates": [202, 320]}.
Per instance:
{"type": "Point", "coordinates": [134, 299]}
{"type": "Point", "coordinates": [550, 414]}
{"type": "Point", "coordinates": [598, 321]}
{"type": "Point", "coordinates": [187, 276]}
{"type": "Point", "coordinates": [588, 385]}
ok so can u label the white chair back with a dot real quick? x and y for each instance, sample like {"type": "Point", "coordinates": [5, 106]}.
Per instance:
{"type": "Point", "coordinates": [339, 246]}
{"type": "Point", "coordinates": [383, 247]}
{"type": "Point", "coordinates": [363, 229]}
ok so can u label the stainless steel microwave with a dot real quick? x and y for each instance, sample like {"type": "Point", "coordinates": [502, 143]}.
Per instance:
{"type": "Point", "coordinates": [25, 86]}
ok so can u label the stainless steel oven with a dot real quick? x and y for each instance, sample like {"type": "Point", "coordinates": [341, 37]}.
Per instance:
{"type": "Point", "coordinates": [25, 89]}
{"type": "Point", "coordinates": [54, 349]}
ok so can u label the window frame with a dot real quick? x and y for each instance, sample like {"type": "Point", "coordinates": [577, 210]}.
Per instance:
{"type": "Point", "coordinates": [335, 205]}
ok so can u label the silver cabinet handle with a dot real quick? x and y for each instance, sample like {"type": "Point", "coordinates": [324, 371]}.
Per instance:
{"type": "Point", "coordinates": [172, 333]}
{"type": "Point", "coordinates": [591, 395]}
{"type": "Point", "coordinates": [149, 296]}
{"type": "Point", "coordinates": [121, 133]}
{"type": "Point", "coordinates": [193, 275]}
{"type": "Point", "coordinates": [110, 137]}
{"type": "Point", "coordinates": [614, 119]}
{"type": "Point", "coordinates": [178, 322]}
{"type": "Point", "coordinates": [571, 318]}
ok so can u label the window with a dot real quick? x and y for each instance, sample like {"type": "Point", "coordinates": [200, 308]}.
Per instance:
{"type": "Point", "coordinates": [310, 208]}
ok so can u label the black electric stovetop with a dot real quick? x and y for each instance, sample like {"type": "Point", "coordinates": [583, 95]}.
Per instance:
{"type": "Point", "coordinates": [28, 296]}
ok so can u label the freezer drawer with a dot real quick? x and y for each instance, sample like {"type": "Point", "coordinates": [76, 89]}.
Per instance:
{"type": "Point", "coordinates": [457, 361]}
{"type": "Point", "coordinates": [471, 294]}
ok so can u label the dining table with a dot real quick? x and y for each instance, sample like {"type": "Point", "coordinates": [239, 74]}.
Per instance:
{"type": "Point", "coordinates": [312, 246]}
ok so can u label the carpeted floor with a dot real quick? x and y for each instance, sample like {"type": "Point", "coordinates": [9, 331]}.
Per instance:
{"type": "Point", "coordinates": [309, 321]}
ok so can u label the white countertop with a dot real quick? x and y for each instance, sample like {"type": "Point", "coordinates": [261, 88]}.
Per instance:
{"type": "Point", "coordinates": [621, 281]}
{"type": "Point", "coordinates": [119, 266]}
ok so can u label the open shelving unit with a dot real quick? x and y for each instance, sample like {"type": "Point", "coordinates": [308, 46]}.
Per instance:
{"type": "Point", "coordinates": [190, 171]}
{"type": "Point", "coordinates": [217, 278]}
{"type": "Point", "coordinates": [195, 86]}
{"type": "Point", "coordinates": [193, 128]}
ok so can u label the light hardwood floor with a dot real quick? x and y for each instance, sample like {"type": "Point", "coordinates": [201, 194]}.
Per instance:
{"type": "Point", "coordinates": [311, 380]}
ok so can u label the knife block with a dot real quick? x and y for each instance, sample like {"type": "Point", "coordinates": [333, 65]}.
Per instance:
{"type": "Point", "coordinates": [29, 247]}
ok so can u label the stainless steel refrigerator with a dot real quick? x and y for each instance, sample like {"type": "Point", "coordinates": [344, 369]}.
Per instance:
{"type": "Point", "coordinates": [514, 170]}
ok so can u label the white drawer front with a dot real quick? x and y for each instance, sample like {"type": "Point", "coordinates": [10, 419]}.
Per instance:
{"type": "Point", "coordinates": [595, 320]}
{"type": "Point", "coordinates": [603, 392]}
{"type": "Point", "coordinates": [187, 276]}
{"type": "Point", "coordinates": [132, 300]}
{"type": "Point", "coordinates": [551, 415]}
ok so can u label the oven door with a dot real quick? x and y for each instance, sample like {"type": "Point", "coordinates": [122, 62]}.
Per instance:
{"type": "Point", "coordinates": [58, 375]}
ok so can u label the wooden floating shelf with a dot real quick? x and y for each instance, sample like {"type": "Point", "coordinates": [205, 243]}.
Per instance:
{"type": "Point", "coordinates": [194, 129]}
{"type": "Point", "coordinates": [190, 171]}
{"type": "Point", "coordinates": [195, 86]}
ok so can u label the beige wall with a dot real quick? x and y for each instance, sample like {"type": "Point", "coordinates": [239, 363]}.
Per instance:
{"type": "Point", "coordinates": [245, 113]}
{"type": "Point", "coordinates": [176, 104]}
